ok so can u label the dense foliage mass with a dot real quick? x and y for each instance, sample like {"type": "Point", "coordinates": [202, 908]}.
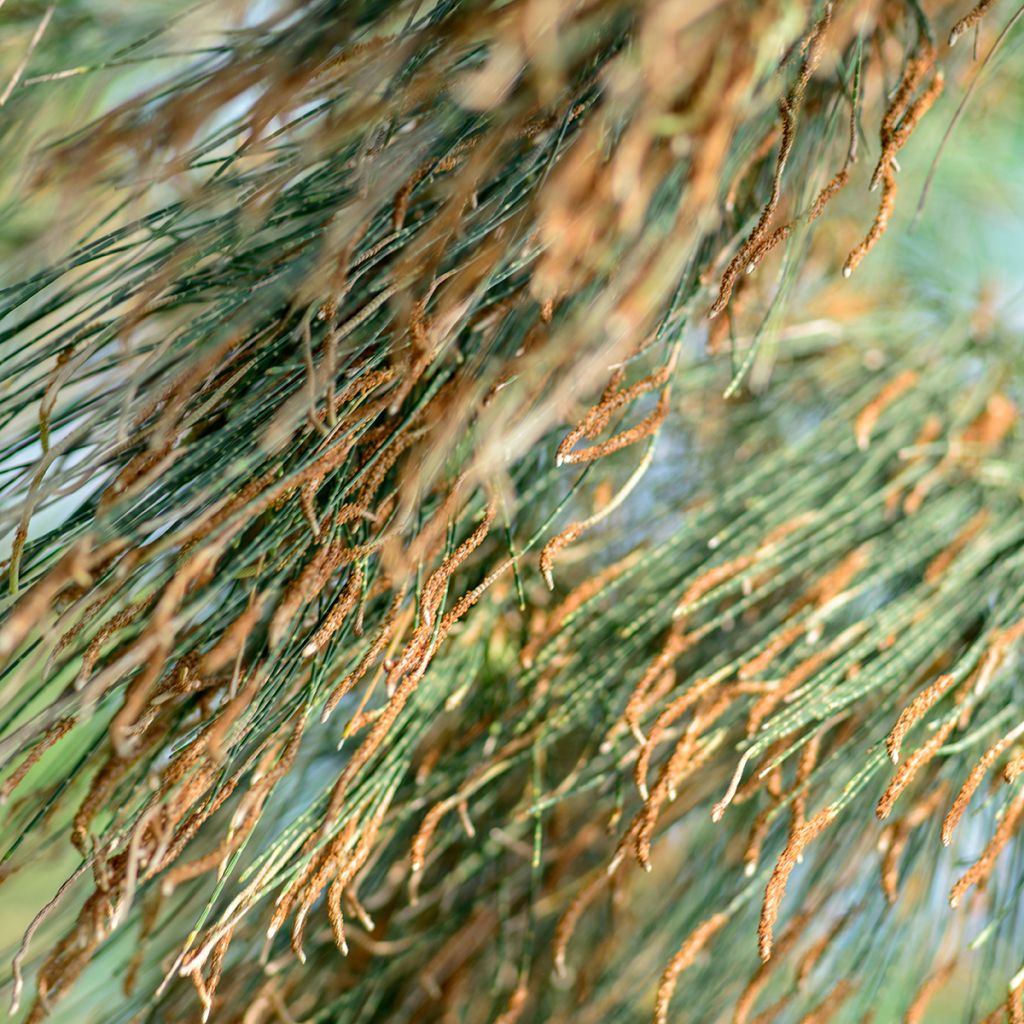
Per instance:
{"type": "Point", "coordinates": [447, 471]}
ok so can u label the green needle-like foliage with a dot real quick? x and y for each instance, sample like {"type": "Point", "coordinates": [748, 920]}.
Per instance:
{"type": "Point", "coordinates": [474, 555]}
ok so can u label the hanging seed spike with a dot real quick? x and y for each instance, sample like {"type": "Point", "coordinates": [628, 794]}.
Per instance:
{"type": "Point", "coordinates": [917, 110]}
{"type": "Point", "coordinates": [686, 758]}
{"type": "Point", "coordinates": [878, 226]}
{"type": "Point", "coordinates": [654, 683]}
{"type": "Point", "coordinates": [547, 556]}
{"type": "Point", "coordinates": [188, 828]}
{"type": "Point", "coordinates": [575, 530]}
{"type": "Point", "coordinates": [337, 614]}
{"type": "Point", "coordinates": [973, 780]}
{"type": "Point", "coordinates": [900, 107]}
{"type": "Point", "coordinates": [37, 921]}
{"type": "Point", "coordinates": [599, 416]}
{"type": "Point", "coordinates": [421, 840]}
{"type": "Point", "coordinates": [336, 916]}
{"type": "Point", "coordinates": [979, 871]}
{"type": "Point", "coordinates": [567, 923]}
{"type": "Point", "coordinates": [646, 428]}
{"type": "Point", "coordinates": [778, 237]}
{"type": "Point", "coordinates": [807, 761]}
{"type": "Point", "coordinates": [684, 958]}
{"type": "Point", "coordinates": [206, 989]}
{"type": "Point", "coordinates": [789, 107]}
{"type": "Point", "coordinates": [232, 640]}
{"type": "Point", "coordinates": [893, 138]}
{"type": "Point", "coordinates": [312, 890]}
{"type": "Point", "coordinates": [287, 897]}
{"type": "Point", "coordinates": [675, 709]}
{"type": "Point", "coordinates": [117, 622]}
{"type": "Point", "coordinates": [776, 888]}
{"type": "Point", "coordinates": [53, 734]}
{"type": "Point", "coordinates": [969, 20]}
{"type": "Point", "coordinates": [387, 633]}
{"type": "Point", "coordinates": [438, 580]}
{"type": "Point", "coordinates": [86, 619]}
{"type": "Point", "coordinates": [915, 711]}
{"type": "Point", "coordinates": [908, 769]}
{"type": "Point", "coordinates": [406, 676]}
{"type": "Point", "coordinates": [361, 914]}
{"type": "Point", "coordinates": [307, 500]}
{"type": "Point", "coordinates": [782, 233]}
{"type": "Point", "coordinates": [104, 781]}
{"type": "Point", "coordinates": [304, 589]}
{"type": "Point", "coordinates": [272, 768]}
{"type": "Point", "coordinates": [828, 192]}
{"type": "Point", "coordinates": [516, 1004]}
{"type": "Point", "coordinates": [997, 1016]}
